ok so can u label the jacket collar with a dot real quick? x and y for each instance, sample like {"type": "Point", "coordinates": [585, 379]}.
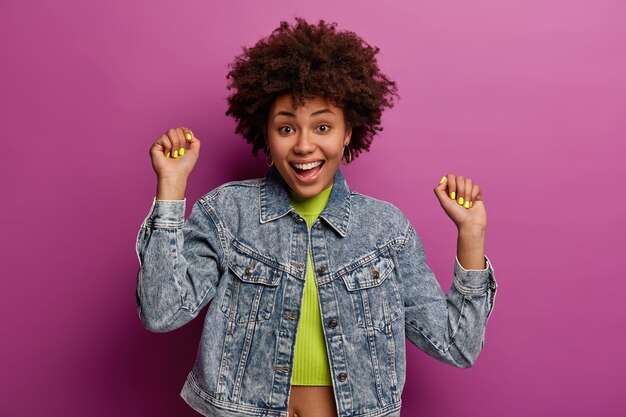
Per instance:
{"type": "Point", "coordinates": [275, 201]}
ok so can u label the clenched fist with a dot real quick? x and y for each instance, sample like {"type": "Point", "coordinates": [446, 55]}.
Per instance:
{"type": "Point", "coordinates": [462, 201]}
{"type": "Point", "coordinates": [173, 161]}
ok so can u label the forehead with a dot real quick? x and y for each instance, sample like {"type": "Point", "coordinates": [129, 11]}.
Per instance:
{"type": "Point", "coordinates": [286, 102]}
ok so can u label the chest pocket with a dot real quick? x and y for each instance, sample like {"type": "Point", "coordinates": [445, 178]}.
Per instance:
{"type": "Point", "coordinates": [251, 291]}
{"type": "Point", "coordinates": [374, 295]}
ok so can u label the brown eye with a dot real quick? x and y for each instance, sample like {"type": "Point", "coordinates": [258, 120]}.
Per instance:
{"type": "Point", "coordinates": [325, 126]}
{"type": "Point", "coordinates": [284, 127]}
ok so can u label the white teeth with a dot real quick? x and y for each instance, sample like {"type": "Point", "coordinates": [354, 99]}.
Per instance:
{"type": "Point", "coordinates": [310, 165]}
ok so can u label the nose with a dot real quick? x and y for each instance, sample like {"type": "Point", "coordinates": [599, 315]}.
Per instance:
{"type": "Point", "coordinates": [305, 143]}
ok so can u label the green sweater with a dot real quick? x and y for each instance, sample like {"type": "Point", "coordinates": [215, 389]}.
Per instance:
{"type": "Point", "coordinates": [310, 364]}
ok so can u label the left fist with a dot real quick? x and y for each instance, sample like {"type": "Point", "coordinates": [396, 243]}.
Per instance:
{"type": "Point", "coordinates": [462, 201]}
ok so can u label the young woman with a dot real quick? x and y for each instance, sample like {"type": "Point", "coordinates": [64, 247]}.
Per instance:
{"type": "Point", "coordinates": [312, 287]}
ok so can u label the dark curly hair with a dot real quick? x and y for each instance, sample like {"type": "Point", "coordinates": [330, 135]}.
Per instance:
{"type": "Point", "coordinates": [309, 61]}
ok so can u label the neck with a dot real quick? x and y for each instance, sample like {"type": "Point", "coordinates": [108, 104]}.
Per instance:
{"type": "Point", "coordinates": [310, 205]}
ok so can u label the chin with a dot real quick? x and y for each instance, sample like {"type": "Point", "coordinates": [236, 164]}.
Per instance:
{"type": "Point", "coordinates": [308, 191]}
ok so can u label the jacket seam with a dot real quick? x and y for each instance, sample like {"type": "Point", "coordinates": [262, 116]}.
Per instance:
{"type": "Point", "coordinates": [220, 230]}
{"type": "Point", "coordinates": [466, 292]}
{"type": "Point", "coordinates": [445, 347]}
{"type": "Point", "coordinates": [193, 307]}
{"type": "Point", "coordinates": [225, 404]}
{"type": "Point", "coordinates": [384, 249]}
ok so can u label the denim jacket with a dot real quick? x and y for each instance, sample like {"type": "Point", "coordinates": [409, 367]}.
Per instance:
{"type": "Point", "coordinates": [243, 251]}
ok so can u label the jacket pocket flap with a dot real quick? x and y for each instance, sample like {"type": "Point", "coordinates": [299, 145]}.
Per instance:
{"type": "Point", "coordinates": [367, 272]}
{"type": "Point", "coordinates": [252, 269]}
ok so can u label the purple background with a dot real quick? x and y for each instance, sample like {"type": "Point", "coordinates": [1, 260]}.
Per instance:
{"type": "Point", "coordinates": [525, 97]}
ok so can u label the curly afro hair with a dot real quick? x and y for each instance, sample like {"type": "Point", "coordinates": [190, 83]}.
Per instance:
{"type": "Point", "coordinates": [309, 61]}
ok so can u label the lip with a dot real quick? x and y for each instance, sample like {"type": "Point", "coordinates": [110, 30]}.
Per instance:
{"type": "Point", "coordinates": [307, 180]}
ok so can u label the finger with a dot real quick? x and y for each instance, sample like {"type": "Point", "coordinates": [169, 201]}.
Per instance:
{"type": "Point", "coordinates": [173, 138]}
{"type": "Point", "coordinates": [181, 141]}
{"type": "Point", "coordinates": [477, 194]}
{"type": "Point", "coordinates": [468, 192]}
{"type": "Point", "coordinates": [194, 142]}
{"type": "Point", "coordinates": [443, 183]}
{"type": "Point", "coordinates": [460, 189]}
{"type": "Point", "coordinates": [188, 134]}
{"type": "Point", "coordinates": [451, 186]}
{"type": "Point", "coordinates": [440, 189]}
{"type": "Point", "coordinates": [166, 146]}
{"type": "Point", "coordinates": [157, 146]}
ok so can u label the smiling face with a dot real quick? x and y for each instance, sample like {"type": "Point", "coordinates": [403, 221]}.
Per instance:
{"type": "Point", "coordinates": [306, 144]}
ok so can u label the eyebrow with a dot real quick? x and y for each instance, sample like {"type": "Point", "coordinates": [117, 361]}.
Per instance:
{"type": "Point", "coordinates": [288, 114]}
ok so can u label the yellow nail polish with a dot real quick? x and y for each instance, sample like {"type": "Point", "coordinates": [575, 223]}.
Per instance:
{"type": "Point", "coordinates": [175, 154]}
{"type": "Point", "coordinates": [471, 204]}
{"type": "Point", "coordinates": [461, 200]}
{"type": "Point", "coordinates": [181, 152]}
{"type": "Point", "coordinates": [467, 204]}
{"type": "Point", "coordinates": [168, 155]}
{"type": "Point", "coordinates": [442, 179]}
{"type": "Point", "coordinates": [453, 195]}
{"type": "Point", "coordinates": [188, 136]}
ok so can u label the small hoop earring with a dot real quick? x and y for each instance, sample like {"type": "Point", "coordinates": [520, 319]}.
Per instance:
{"type": "Point", "coordinates": [268, 159]}
{"type": "Point", "coordinates": [347, 159]}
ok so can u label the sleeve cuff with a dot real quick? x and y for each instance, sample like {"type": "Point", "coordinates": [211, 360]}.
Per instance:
{"type": "Point", "coordinates": [168, 214]}
{"type": "Point", "coordinates": [474, 281]}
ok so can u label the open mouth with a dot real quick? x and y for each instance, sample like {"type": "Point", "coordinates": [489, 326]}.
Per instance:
{"type": "Point", "coordinates": [307, 171]}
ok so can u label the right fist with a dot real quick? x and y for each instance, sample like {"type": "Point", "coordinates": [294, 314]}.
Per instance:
{"type": "Point", "coordinates": [171, 158]}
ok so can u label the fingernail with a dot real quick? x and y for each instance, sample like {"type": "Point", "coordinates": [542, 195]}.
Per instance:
{"type": "Point", "coordinates": [442, 179]}
{"type": "Point", "coordinates": [188, 136]}
{"type": "Point", "coordinates": [168, 155]}
{"type": "Point", "coordinates": [181, 152]}
{"type": "Point", "coordinates": [175, 154]}
{"type": "Point", "coordinates": [467, 204]}
{"type": "Point", "coordinates": [471, 204]}
{"type": "Point", "coordinates": [453, 195]}
{"type": "Point", "coordinates": [461, 200]}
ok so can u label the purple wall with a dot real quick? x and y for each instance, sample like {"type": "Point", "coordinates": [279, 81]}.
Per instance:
{"type": "Point", "coordinates": [526, 97]}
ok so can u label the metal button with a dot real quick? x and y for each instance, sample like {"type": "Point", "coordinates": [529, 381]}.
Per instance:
{"type": "Point", "coordinates": [249, 269]}
{"type": "Point", "coordinates": [321, 269]}
{"type": "Point", "coordinates": [375, 273]}
{"type": "Point", "coordinates": [332, 323]}
{"type": "Point", "coordinates": [342, 376]}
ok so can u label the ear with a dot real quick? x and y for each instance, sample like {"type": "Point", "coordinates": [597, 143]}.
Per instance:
{"type": "Point", "coordinates": [348, 136]}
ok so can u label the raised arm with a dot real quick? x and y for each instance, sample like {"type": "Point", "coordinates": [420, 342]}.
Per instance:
{"type": "Point", "coordinates": [179, 264]}
{"type": "Point", "coordinates": [450, 328]}
{"type": "Point", "coordinates": [179, 261]}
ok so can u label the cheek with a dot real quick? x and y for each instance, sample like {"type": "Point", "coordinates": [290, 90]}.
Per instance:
{"type": "Point", "coordinates": [277, 151]}
{"type": "Point", "coordinates": [337, 151]}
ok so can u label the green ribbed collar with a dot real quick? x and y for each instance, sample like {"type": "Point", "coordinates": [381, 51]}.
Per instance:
{"type": "Point", "coordinates": [310, 205]}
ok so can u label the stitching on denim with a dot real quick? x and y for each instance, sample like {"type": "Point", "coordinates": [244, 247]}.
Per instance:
{"type": "Point", "coordinates": [210, 288]}
{"type": "Point", "coordinates": [226, 404]}
{"type": "Point", "coordinates": [458, 322]}
{"type": "Point", "coordinates": [242, 247]}
{"type": "Point", "coordinates": [430, 341]}
{"type": "Point", "coordinates": [220, 232]}
{"type": "Point", "coordinates": [465, 291]}
{"type": "Point", "coordinates": [175, 267]}
{"type": "Point", "coordinates": [381, 251]}
{"type": "Point", "coordinates": [402, 241]}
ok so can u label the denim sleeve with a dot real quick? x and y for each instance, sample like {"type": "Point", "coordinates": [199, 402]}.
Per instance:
{"type": "Point", "coordinates": [450, 328]}
{"type": "Point", "coordinates": [179, 264]}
